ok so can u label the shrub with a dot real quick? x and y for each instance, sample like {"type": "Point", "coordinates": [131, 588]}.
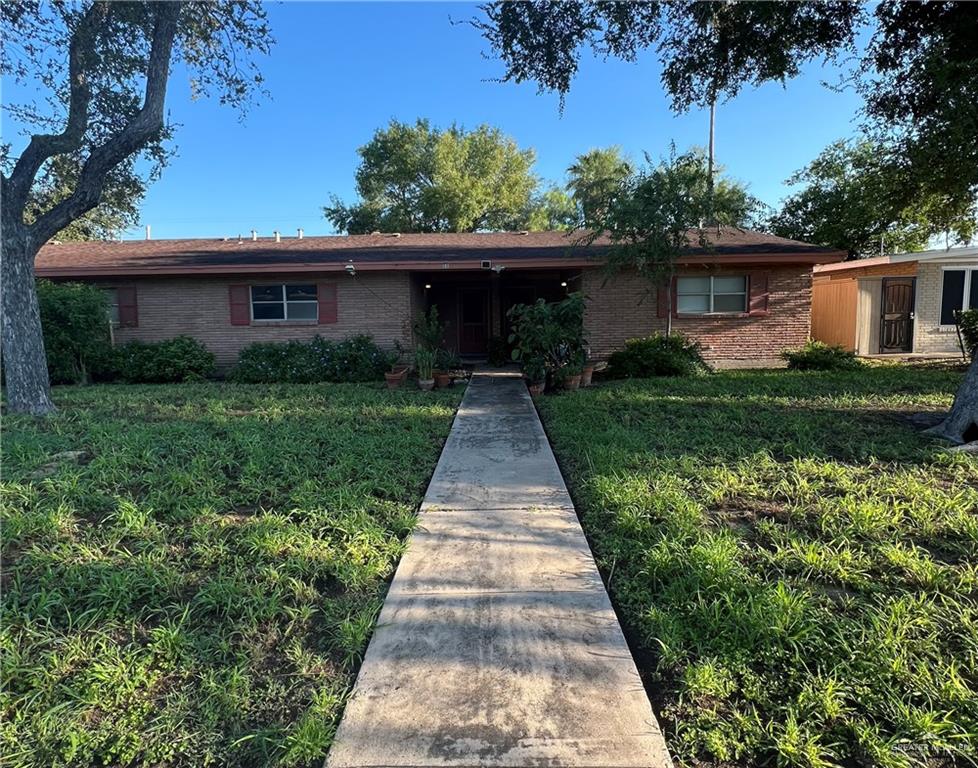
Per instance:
{"type": "Point", "coordinates": [181, 358]}
{"type": "Point", "coordinates": [657, 355]}
{"type": "Point", "coordinates": [967, 321]}
{"type": "Point", "coordinates": [355, 359]}
{"type": "Point", "coordinates": [548, 337]}
{"type": "Point", "coordinates": [819, 356]}
{"type": "Point", "coordinates": [75, 321]}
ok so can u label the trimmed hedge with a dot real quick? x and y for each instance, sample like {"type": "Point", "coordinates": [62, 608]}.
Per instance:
{"type": "Point", "coordinates": [819, 356]}
{"type": "Point", "coordinates": [657, 355]}
{"type": "Point", "coordinates": [181, 358]}
{"type": "Point", "coordinates": [320, 360]}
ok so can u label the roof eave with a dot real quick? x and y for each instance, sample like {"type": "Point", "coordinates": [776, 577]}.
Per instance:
{"type": "Point", "coordinates": [815, 257]}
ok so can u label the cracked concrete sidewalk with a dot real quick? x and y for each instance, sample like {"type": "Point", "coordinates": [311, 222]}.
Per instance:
{"type": "Point", "coordinates": [497, 644]}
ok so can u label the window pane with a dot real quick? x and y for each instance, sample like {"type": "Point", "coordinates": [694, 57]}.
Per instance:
{"type": "Point", "coordinates": [692, 285]}
{"type": "Point", "coordinates": [952, 294]}
{"type": "Point", "coordinates": [300, 292]}
{"type": "Point", "coordinates": [303, 310]}
{"type": "Point", "coordinates": [692, 304]}
{"type": "Point", "coordinates": [729, 284]}
{"type": "Point", "coordinates": [973, 299]}
{"type": "Point", "coordinates": [266, 293]}
{"type": "Point", "coordinates": [268, 311]}
{"type": "Point", "coordinates": [731, 302]}
{"type": "Point", "coordinates": [112, 299]}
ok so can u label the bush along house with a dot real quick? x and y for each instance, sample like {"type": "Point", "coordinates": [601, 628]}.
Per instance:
{"type": "Point", "coordinates": [745, 298]}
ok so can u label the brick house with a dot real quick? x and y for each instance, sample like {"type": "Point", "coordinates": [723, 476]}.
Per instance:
{"type": "Point", "coordinates": [899, 304]}
{"type": "Point", "coordinates": [745, 298]}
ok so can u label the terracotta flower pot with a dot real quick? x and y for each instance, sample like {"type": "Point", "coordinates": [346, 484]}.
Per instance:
{"type": "Point", "coordinates": [572, 383]}
{"type": "Point", "coordinates": [394, 380]}
{"type": "Point", "coordinates": [443, 379]}
{"type": "Point", "coordinates": [426, 385]}
{"type": "Point", "coordinates": [536, 389]}
{"type": "Point", "coordinates": [587, 374]}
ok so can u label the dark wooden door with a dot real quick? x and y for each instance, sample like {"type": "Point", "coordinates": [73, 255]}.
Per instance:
{"type": "Point", "coordinates": [896, 320]}
{"type": "Point", "coordinates": [473, 321]}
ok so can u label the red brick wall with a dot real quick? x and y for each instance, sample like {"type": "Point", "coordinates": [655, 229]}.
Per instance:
{"type": "Point", "coordinates": [378, 304]}
{"type": "Point", "coordinates": [383, 305]}
{"type": "Point", "coordinates": [624, 307]}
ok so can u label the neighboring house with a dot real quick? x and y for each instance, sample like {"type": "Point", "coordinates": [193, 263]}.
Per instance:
{"type": "Point", "coordinates": [900, 304]}
{"type": "Point", "coordinates": [745, 298]}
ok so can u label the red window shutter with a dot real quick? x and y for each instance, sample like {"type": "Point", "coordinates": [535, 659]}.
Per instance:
{"type": "Point", "coordinates": [662, 302]}
{"type": "Point", "coordinates": [128, 311]}
{"type": "Point", "coordinates": [758, 294]}
{"type": "Point", "coordinates": [327, 303]}
{"type": "Point", "coordinates": [239, 299]}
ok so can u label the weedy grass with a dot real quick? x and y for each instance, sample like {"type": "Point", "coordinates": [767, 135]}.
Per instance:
{"type": "Point", "coordinates": [796, 563]}
{"type": "Point", "coordinates": [191, 572]}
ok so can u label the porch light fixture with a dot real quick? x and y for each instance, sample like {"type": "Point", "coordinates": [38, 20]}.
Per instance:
{"type": "Point", "coordinates": [427, 286]}
{"type": "Point", "coordinates": [563, 283]}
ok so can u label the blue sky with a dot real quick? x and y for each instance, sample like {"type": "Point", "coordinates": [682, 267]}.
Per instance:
{"type": "Point", "coordinates": [340, 70]}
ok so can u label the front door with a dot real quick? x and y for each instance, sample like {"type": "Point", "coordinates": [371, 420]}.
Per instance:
{"type": "Point", "coordinates": [896, 321]}
{"type": "Point", "coordinates": [473, 321]}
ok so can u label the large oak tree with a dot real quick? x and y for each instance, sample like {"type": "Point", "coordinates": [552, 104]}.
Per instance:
{"type": "Point", "coordinates": [419, 178]}
{"type": "Point", "coordinates": [105, 67]}
{"type": "Point", "coordinates": [857, 198]}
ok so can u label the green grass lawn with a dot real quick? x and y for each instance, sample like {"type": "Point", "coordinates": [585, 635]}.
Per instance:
{"type": "Point", "coordinates": [198, 584]}
{"type": "Point", "coordinates": [796, 564]}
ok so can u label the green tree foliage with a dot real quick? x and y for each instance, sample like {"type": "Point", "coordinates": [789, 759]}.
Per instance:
{"type": "Point", "coordinates": [118, 210]}
{"type": "Point", "coordinates": [707, 51]}
{"type": "Point", "coordinates": [417, 178]}
{"type": "Point", "coordinates": [75, 318]}
{"type": "Point", "coordinates": [854, 198]}
{"type": "Point", "coordinates": [661, 211]}
{"type": "Point", "coordinates": [552, 210]}
{"type": "Point", "coordinates": [593, 179]}
{"type": "Point", "coordinates": [920, 82]}
{"type": "Point", "coordinates": [918, 74]}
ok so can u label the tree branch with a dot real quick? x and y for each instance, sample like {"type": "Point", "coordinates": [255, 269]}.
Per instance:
{"type": "Point", "coordinates": [133, 136]}
{"type": "Point", "coordinates": [43, 146]}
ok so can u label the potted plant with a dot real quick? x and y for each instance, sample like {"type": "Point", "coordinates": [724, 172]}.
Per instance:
{"type": "Point", "coordinates": [535, 371]}
{"type": "Point", "coordinates": [572, 377]}
{"type": "Point", "coordinates": [587, 371]}
{"type": "Point", "coordinates": [445, 363]}
{"type": "Point", "coordinates": [424, 362]}
{"type": "Point", "coordinates": [551, 333]}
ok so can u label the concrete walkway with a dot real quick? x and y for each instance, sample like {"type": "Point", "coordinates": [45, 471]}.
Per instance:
{"type": "Point", "coordinates": [497, 644]}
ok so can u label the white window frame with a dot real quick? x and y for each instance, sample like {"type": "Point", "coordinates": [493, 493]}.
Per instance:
{"type": "Point", "coordinates": [284, 302]}
{"type": "Point", "coordinates": [711, 311]}
{"type": "Point", "coordinates": [969, 270]}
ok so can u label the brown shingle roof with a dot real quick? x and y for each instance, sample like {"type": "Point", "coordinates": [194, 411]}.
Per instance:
{"type": "Point", "coordinates": [383, 251]}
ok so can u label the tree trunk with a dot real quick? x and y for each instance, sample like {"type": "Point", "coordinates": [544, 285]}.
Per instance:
{"type": "Point", "coordinates": [961, 424]}
{"type": "Point", "coordinates": [24, 363]}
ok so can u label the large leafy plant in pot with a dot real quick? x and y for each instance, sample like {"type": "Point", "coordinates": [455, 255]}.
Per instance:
{"type": "Point", "coordinates": [548, 338]}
